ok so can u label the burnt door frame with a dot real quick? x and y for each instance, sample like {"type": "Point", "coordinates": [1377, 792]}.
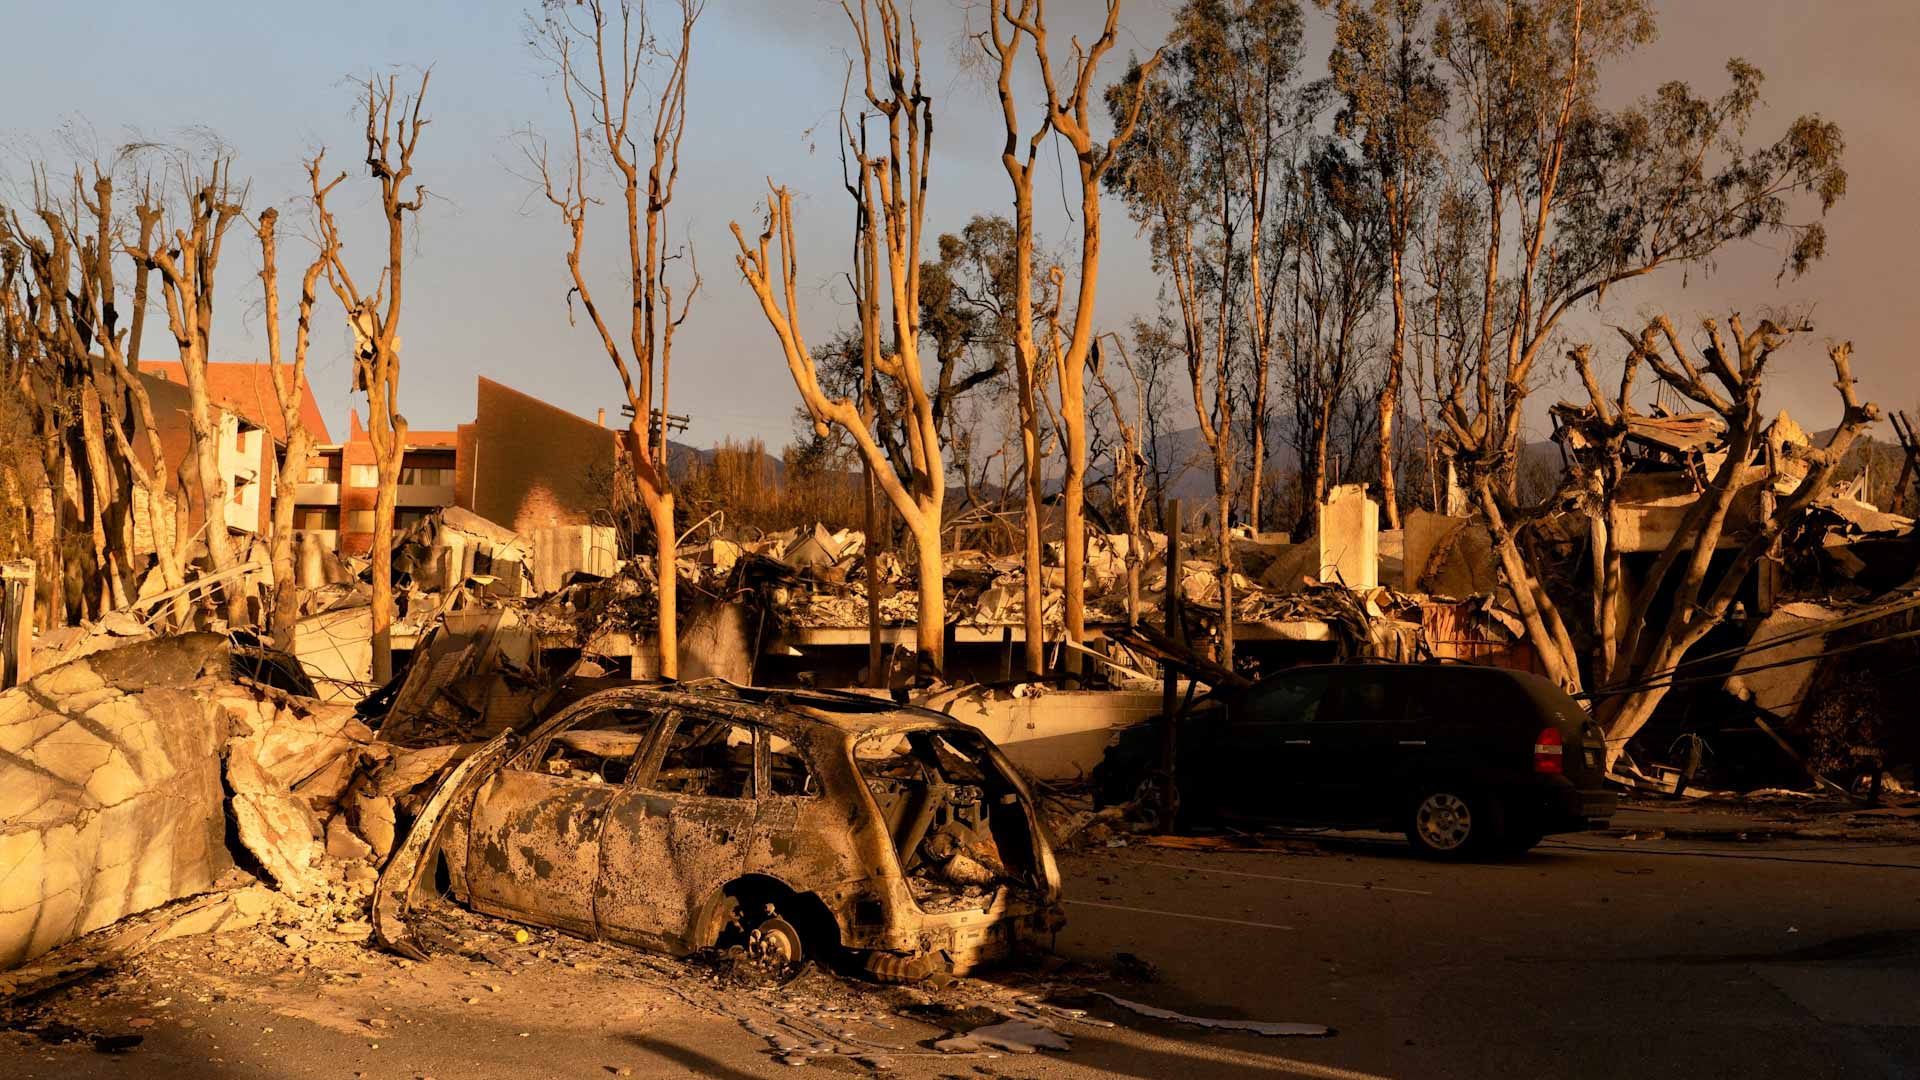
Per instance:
{"type": "Point", "coordinates": [646, 892]}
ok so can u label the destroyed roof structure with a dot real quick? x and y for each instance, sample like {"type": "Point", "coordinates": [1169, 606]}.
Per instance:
{"type": "Point", "coordinates": [1834, 580]}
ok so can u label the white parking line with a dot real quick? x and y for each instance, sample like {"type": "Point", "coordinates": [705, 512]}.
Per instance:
{"type": "Point", "coordinates": [1278, 877]}
{"type": "Point", "coordinates": [1177, 914]}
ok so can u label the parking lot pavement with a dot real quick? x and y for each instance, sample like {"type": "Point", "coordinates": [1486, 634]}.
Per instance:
{"type": "Point", "coordinates": [1592, 956]}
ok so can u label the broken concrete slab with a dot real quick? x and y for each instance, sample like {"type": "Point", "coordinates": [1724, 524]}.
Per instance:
{"type": "Point", "coordinates": [110, 793]}
{"type": "Point", "coordinates": [372, 817]}
{"type": "Point", "coordinates": [293, 739]}
{"type": "Point", "coordinates": [343, 843]}
{"type": "Point", "coordinates": [408, 769]}
{"type": "Point", "coordinates": [1790, 632]}
{"type": "Point", "coordinates": [1058, 735]}
{"type": "Point", "coordinates": [1350, 538]}
{"type": "Point", "coordinates": [206, 913]}
{"type": "Point", "coordinates": [561, 550]}
{"type": "Point", "coordinates": [276, 826]}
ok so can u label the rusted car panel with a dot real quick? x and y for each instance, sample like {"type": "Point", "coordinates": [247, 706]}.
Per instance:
{"type": "Point", "coordinates": [533, 847]}
{"type": "Point", "coordinates": [673, 818]}
{"type": "Point", "coordinates": [647, 899]}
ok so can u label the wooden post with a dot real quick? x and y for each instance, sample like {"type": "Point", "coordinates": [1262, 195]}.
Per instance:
{"type": "Point", "coordinates": [1169, 692]}
{"type": "Point", "coordinates": [875, 677]}
{"type": "Point", "coordinates": [16, 622]}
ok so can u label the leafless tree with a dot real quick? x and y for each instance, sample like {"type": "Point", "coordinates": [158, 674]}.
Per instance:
{"type": "Point", "coordinates": [1067, 115]}
{"type": "Point", "coordinates": [290, 391]}
{"type": "Point", "coordinates": [187, 265]}
{"type": "Point", "coordinates": [394, 126]}
{"type": "Point", "coordinates": [72, 364]}
{"type": "Point", "coordinates": [602, 53]}
{"type": "Point", "coordinates": [1693, 575]}
{"type": "Point", "coordinates": [893, 189]}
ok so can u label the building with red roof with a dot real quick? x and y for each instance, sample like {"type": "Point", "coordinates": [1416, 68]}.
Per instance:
{"type": "Point", "coordinates": [251, 440]}
{"type": "Point", "coordinates": [521, 463]}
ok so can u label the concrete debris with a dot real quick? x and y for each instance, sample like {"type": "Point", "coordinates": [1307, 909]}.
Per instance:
{"type": "Point", "coordinates": [1013, 1036]}
{"type": "Point", "coordinates": [1257, 1027]}
{"type": "Point", "coordinates": [122, 772]}
{"type": "Point", "coordinates": [373, 818]}
{"type": "Point", "coordinates": [343, 843]}
{"type": "Point", "coordinates": [276, 827]}
{"type": "Point", "coordinates": [111, 799]}
{"type": "Point", "coordinates": [212, 912]}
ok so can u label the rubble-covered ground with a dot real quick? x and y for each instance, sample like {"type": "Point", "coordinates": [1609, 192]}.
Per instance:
{"type": "Point", "coordinates": [1670, 947]}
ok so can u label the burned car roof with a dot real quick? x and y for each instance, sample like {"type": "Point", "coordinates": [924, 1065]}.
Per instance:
{"type": "Point", "coordinates": [852, 713]}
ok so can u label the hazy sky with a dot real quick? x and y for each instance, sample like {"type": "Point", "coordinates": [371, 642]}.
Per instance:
{"type": "Point", "coordinates": [487, 281]}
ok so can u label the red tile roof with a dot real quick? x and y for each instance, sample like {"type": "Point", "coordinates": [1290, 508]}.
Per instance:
{"type": "Point", "coordinates": [247, 389]}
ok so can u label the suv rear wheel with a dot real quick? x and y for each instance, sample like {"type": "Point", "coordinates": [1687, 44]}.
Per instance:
{"type": "Point", "coordinates": [1453, 823]}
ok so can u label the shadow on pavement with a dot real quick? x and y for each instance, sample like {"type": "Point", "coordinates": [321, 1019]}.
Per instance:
{"type": "Point", "coordinates": [1158, 1056]}
{"type": "Point", "coordinates": [696, 1063]}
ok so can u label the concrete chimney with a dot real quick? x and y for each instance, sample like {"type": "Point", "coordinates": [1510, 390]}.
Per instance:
{"type": "Point", "coordinates": [600, 417]}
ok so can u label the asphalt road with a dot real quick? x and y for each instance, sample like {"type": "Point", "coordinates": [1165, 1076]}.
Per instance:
{"type": "Point", "coordinates": [1591, 957]}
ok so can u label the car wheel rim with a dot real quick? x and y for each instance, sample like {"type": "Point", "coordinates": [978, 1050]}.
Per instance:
{"type": "Point", "coordinates": [774, 943]}
{"type": "Point", "coordinates": [1444, 821]}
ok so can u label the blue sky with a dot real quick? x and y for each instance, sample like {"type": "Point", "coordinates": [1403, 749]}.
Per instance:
{"type": "Point", "coordinates": [487, 282]}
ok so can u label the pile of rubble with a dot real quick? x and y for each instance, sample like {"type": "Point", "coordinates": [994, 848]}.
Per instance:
{"type": "Point", "coordinates": [1800, 681]}
{"type": "Point", "coordinates": [122, 772]}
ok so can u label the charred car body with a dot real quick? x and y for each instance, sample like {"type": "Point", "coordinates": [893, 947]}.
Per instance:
{"type": "Point", "coordinates": [708, 814]}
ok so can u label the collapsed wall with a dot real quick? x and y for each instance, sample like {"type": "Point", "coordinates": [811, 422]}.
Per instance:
{"type": "Point", "coordinates": [111, 799]}
{"type": "Point", "coordinates": [125, 774]}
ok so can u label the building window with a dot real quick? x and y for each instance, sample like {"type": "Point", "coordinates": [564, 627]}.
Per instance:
{"type": "Point", "coordinates": [364, 476]}
{"type": "Point", "coordinates": [359, 521]}
{"type": "Point", "coordinates": [324, 470]}
{"type": "Point", "coordinates": [406, 517]}
{"type": "Point", "coordinates": [317, 518]}
{"type": "Point", "coordinates": [435, 477]}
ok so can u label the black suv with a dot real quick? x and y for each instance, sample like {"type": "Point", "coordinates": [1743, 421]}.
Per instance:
{"type": "Point", "coordinates": [1468, 760]}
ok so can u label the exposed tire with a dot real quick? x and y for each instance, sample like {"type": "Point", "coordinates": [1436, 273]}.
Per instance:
{"type": "Point", "coordinates": [1451, 823]}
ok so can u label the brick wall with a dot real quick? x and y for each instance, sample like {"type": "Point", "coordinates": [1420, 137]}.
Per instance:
{"type": "Point", "coordinates": [527, 465]}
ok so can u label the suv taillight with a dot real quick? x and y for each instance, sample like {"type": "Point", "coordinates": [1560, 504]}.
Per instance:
{"type": "Point", "coordinates": [1547, 752]}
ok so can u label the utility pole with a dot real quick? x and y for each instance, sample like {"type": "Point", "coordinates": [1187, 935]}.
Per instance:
{"type": "Point", "coordinates": [1170, 691]}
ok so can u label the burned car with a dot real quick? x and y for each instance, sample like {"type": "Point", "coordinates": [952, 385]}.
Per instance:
{"type": "Point", "coordinates": [787, 824]}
